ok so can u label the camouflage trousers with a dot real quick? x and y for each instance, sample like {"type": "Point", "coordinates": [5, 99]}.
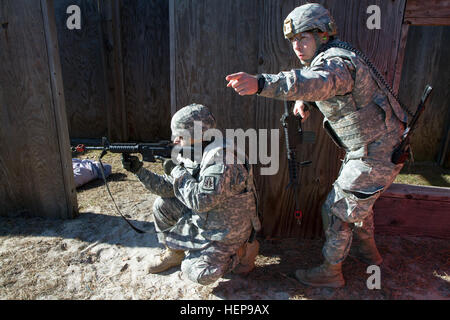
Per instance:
{"type": "Point", "coordinates": [348, 209]}
{"type": "Point", "coordinates": [203, 266]}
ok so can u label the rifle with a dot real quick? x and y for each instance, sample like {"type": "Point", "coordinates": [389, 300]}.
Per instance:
{"type": "Point", "coordinates": [293, 164]}
{"type": "Point", "coordinates": [151, 152]}
{"type": "Point", "coordinates": [403, 150]}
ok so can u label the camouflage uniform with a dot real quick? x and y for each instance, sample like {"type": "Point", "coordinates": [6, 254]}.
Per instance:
{"type": "Point", "coordinates": [362, 117]}
{"type": "Point", "coordinates": [206, 208]}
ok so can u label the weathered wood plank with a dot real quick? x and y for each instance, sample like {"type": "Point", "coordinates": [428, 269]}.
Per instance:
{"type": "Point", "coordinates": [427, 13]}
{"type": "Point", "coordinates": [83, 70]}
{"type": "Point", "coordinates": [414, 210]}
{"type": "Point", "coordinates": [427, 9]}
{"type": "Point", "coordinates": [414, 217]}
{"type": "Point", "coordinates": [173, 64]}
{"type": "Point", "coordinates": [400, 58]}
{"type": "Point", "coordinates": [406, 191]}
{"type": "Point", "coordinates": [59, 106]}
{"type": "Point", "coordinates": [425, 62]}
{"type": "Point", "coordinates": [209, 48]}
{"type": "Point", "coordinates": [33, 168]}
{"type": "Point", "coordinates": [146, 68]}
{"type": "Point", "coordinates": [113, 69]}
{"type": "Point", "coordinates": [425, 21]}
{"type": "Point", "coordinates": [444, 155]}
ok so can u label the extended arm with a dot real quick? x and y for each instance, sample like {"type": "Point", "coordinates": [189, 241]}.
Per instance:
{"type": "Point", "coordinates": [325, 79]}
{"type": "Point", "coordinates": [155, 183]}
{"type": "Point", "coordinates": [320, 82]}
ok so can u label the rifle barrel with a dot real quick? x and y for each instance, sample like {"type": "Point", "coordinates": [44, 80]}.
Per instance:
{"type": "Point", "coordinates": [421, 107]}
{"type": "Point", "coordinates": [93, 148]}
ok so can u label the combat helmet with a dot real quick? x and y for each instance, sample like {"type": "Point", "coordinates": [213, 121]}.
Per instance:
{"type": "Point", "coordinates": [182, 123]}
{"type": "Point", "coordinates": [309, 17]}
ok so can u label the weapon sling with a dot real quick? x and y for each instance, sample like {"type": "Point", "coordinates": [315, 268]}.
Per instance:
{"type": "Point", "coordinates": [122, 149]}
{"type": "Point", "coordinates": [109, 192]}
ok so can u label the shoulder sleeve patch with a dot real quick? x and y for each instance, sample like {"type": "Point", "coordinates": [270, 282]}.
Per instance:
{"type": "Point", "coordinates": [209, 182]}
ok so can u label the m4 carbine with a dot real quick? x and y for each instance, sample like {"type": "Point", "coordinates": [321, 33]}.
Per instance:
{"type": "Point", "coordinates": [293, 165]}
{"type": "Point", "coordinates": [150, 151]}
{"type": "Point", "coordinates": [403, 151]}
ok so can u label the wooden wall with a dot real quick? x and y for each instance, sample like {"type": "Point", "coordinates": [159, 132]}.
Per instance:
{"type": "Point", "coordinates": [207, 48]}
{"type": "Point", "coordinates": [428, 13]}
{"type": "Point", "coordinates": [116, 69]}
{"type": "Point", "coordinates": [214, 38]}
{"type": "Point", "coordinates": [426, 62]}
{"type": "Point", "coordinates": [82, 62]}
{"type": "Point", "coordinates": [146, 68]}
{"type": "Point", "coordinates": [35, 168]}
{"type": "Point", "coordinates": [413, 210]}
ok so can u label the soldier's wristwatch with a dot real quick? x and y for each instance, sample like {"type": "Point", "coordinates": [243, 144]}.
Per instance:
{"type": "Point", "coordinates": [261, 83]}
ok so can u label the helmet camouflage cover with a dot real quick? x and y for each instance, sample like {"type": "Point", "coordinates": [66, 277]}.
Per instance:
{"type": "Point", "coordinates": [183, 120]}
{"type": "Point", "coordinates": [309, 17]}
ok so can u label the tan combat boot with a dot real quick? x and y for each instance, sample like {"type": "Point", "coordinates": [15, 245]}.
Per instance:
{"type": "Point", "coordinates": [164, 261]}
{"type": "Point", "coordinates": [247, 254]}
{"type": "Point", "coordinates": [366, 251]}
{"type": "Point", "coordinates": [325, 275]}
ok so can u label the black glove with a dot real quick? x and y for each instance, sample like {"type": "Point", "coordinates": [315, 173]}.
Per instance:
{"type": "Point", "coordinates": [168, 166]}
{"type": "Point", "coordinates": [131, 163]}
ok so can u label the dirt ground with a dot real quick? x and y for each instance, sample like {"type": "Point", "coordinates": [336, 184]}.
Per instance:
{"type": "Point", "coordinates": [98, 256]}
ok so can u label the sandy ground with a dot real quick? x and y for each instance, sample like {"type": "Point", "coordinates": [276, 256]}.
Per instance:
{"type": "Point", "coordinates": [98, 256]}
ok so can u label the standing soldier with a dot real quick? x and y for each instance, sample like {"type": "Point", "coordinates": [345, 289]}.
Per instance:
{"type": "Point", "coordinates": [361, 116]}
{"type": "Point", "coordinates": [206, 208]}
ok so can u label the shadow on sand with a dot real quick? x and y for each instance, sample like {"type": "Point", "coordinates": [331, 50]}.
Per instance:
{"type": "Point", "coordinates": [88, 227]}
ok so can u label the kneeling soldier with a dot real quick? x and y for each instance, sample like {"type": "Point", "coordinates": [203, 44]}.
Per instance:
{"type": "Point", "coordinates": [206, 212]}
